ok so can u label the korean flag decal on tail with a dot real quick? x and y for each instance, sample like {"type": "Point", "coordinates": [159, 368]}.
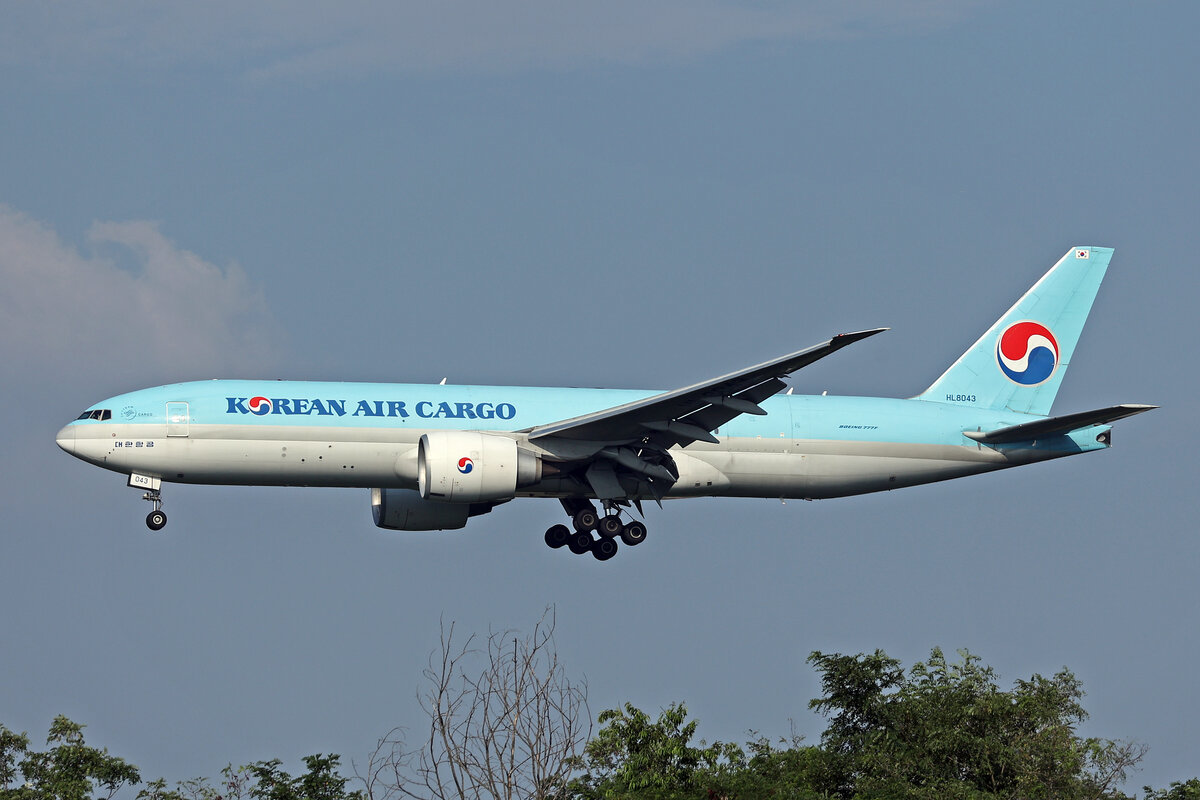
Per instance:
{"type": "Point", "coordinates": [1083, 254]}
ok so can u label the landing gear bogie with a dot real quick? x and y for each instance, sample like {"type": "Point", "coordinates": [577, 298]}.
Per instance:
{"type": "Point", "coordinates": [595, 533]}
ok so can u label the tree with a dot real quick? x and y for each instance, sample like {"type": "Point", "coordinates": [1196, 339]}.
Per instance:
{"type": "Point", "coordinates": [69, 770]}
{"type": "Point", "coordinates": [262, 780]}
{"type": "Point", "coordinates": [1179, 790]}
{"type": "Point", "coordinates": [516, 726]}
{"type": "Point", "coordinates": [941, 730]}
{"type": "Point", "coordinates": [634, 757]}
{"type": "Point", "coordinates": [321, 782]}
{"type": "Point", "coordinates": [508, 729]}
{"type": "Point", "coordinates": [948, 730]}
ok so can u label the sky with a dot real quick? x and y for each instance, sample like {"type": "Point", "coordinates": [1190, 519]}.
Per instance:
{"type": "Point", "coordinates": [628, 194]}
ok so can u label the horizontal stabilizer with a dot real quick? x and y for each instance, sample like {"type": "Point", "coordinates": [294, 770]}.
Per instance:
{"type": "Point", "coordinates": [1053, 426]}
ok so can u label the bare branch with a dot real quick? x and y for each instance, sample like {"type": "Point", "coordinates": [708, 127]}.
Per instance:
{"type": "Point", "coordinates": [509, 728]}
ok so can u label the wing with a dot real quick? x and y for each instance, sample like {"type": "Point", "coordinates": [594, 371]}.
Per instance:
{"type": "Point", "coordinates": [691, 414]}
{"type": "Point", "coordinates": [634, 437]}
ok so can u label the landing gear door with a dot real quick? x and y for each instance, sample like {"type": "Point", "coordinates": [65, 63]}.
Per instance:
{"type": "Point", "coordinates": [177, 419]}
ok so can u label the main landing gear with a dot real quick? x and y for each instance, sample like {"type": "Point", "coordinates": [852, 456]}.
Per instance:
{"type": "Point", "coordinates": [585, 521]}
{"type": "Point", "coordinates": [156, 519]}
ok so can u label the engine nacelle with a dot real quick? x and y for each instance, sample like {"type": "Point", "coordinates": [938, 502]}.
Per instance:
{"type": "Point", "coordinates": [404, 510]}
{"type": "Point", "coordinates": [470, 467]}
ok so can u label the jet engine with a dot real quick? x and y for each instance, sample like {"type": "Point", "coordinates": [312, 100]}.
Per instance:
{"type": "Point", "coordinates": [405, 510]}
{"type": "Point", "coordinates": [471, 467]}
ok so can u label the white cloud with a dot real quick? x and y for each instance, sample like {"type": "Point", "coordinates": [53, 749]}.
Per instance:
{"type": "Point", "coordinates": [275, 38]}
{"type": "Point", "coordinates": [137, 307]}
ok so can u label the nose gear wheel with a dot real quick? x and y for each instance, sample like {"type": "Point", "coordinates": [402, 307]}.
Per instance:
{"type": "Point", "coordinates": [156, 520]}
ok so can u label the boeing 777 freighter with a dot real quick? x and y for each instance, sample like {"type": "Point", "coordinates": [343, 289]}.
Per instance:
{"type": "Point", "coordinates": [435, 455]}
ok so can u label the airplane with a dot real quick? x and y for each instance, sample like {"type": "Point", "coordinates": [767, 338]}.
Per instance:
{"type": "Point", "coordinates": [434, 456]}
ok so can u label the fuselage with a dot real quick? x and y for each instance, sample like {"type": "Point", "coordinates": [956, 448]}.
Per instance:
{"type": "Point", "coordinates": [300, 433]}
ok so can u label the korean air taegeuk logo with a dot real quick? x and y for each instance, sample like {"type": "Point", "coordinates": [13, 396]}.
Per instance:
{"type": "Point", "coordinates": [259, 405]}
{"type": "Point", "coordinates": [1027, 353]}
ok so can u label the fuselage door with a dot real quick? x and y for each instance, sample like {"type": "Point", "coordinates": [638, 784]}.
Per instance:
{"type": "Point", "coordinates": [177, 419]}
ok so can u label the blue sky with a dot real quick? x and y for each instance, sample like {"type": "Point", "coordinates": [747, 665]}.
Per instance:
{"type": "Point", "coordinates": [623, 195]}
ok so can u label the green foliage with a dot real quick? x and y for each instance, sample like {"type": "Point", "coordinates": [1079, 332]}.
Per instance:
{"type": "Point", "coordinates": [321, 782]}
{"type": "Point", "coordinates": [634, 757]}
{"type": "Point", "coordinates": [949, 730]}
{"type": "Point", "coordinates": [1186, 790]}
{"type": "Point", "coordinates": [262, 780]}
{"type": "Point", "coordinates": [791, 772]}
{"type": "Point", "coordinates": [945, 729]}
{"type": "Point", "coordinates": [234, 785]}
{"type": "Point", "coordinates": [69, 770]}
{"type": "Point", "coordinates": [12, 747]}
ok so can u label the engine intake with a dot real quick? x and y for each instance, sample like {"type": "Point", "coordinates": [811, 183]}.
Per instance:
{"type": "Point", "coordinates": [469, 467]}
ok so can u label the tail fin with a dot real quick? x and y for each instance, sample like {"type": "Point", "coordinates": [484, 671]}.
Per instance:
{"type": "Point", "coordinates": [1020, 362]}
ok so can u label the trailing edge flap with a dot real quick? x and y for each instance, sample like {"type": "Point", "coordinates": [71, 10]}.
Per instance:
{"type": "Point", "coordinates": [686, 415]}
{"type": "Point", "coordinates": [603, 480]}
{"type": "Point", "coordinates": [1052, 426]}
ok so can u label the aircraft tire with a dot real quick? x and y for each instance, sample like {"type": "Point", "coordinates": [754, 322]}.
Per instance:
{"type": "Point", "coordinates": [585, 520]}
{"type": "Point", "coordinates": [557, 535]}
{"type": "Point", "coordinates": [634, 533]}
{"type": "Point", "coordinates": [156, 520]}
{"type": "Point", "coordinates": [580, 543]}
{"type": "Point", "coordinates": [604, 549]}
{"type": "Point", "coordinates": [609, 526]}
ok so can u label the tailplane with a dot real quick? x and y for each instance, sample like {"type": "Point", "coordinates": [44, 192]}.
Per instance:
{"type": "Point", "coordinates": [1054, 426]}
{"type": "Point", "coordinates": [1020, 361]}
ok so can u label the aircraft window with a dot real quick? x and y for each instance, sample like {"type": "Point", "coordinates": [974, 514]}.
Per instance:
{"type": "Point", "coordinates": [100, 414]}
{"type": "Point", "coordinates": [85, 415]}
{"type": "Point", "coordinates": [106, 414]}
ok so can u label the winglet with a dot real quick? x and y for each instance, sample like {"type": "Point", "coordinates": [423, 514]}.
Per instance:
{"type": "Point", "coordinates": [851, 338]}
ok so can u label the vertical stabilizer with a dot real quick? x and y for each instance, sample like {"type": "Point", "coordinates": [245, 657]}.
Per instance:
{"type": "Point", "coordinates": [1020, 362]}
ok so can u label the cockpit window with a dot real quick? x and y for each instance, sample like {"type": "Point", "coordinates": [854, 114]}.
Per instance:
{"type": "Point", "coordinates": [100, 414]}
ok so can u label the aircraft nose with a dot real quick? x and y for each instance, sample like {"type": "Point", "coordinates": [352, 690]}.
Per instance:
{"type": "Point", "coordinates": [66, 439]}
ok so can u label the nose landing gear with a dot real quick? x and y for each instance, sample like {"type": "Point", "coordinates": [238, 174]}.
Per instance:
{"type": "Point", "coordinates": [156, 519]}
{"type": "Point", "coordinates": [585, 521]}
